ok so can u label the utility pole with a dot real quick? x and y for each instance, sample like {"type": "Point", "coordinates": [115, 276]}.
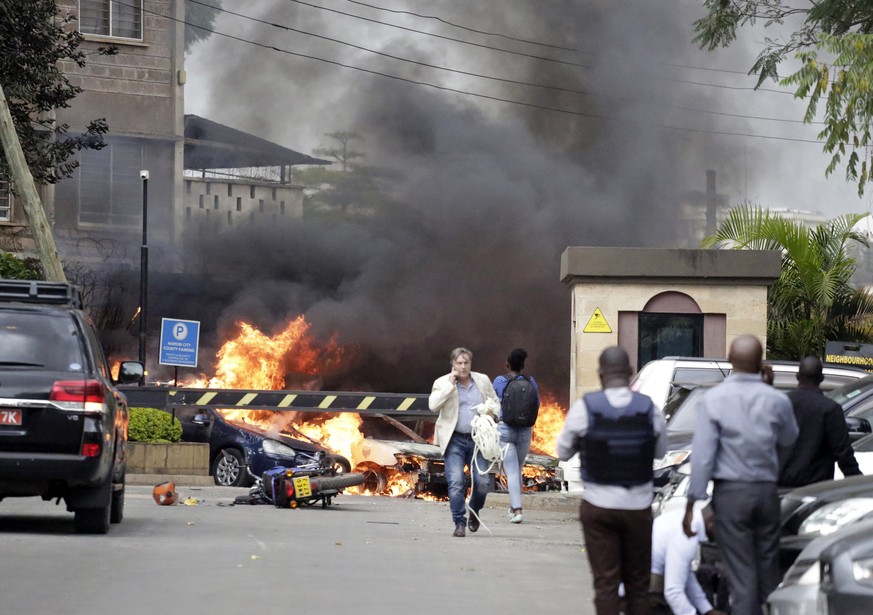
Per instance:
{"type": "Point", "coordinates": [711, 202]}
{"type": "Point", "coordinates": [143, 268]}
{"type": "Point", "coordinates": [25, 188]}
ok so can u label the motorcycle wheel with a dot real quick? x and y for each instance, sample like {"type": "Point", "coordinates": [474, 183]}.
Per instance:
{"type": "Point", "coordinates": [340, 464]}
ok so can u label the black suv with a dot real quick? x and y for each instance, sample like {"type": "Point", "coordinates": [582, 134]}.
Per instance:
{"type": "Point", "coordinates": [63, 424]}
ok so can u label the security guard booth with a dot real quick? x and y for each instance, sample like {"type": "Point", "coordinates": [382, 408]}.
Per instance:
{"type": "Point", "coordinates": [662, 302]}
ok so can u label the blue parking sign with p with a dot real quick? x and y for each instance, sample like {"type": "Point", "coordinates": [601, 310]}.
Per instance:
{"type": "Point", "coordinates": [179, 342]}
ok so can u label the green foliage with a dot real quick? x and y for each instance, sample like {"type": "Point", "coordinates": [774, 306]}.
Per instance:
{"type": "Point", "coordinates": [153, 425]}
{"type": "Point", "coordinates": [13, 268]}
{"type": "Point", "coordinates": [838, 28]}
{"type": "Point", "coordinates": [813, 301]}
{"type": "Point", "coordinates": [827, 17]}
{"type": "Point", "coordinates": [848, 98]}
{"type": "Point", "coordinates": [35, 42]}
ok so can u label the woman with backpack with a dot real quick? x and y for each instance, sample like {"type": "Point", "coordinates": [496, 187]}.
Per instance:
{"type": "Point", "coordinates": [519, 405]}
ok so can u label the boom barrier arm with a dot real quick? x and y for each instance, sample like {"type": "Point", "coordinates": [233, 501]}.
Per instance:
{"type": "Point", "coordinates": [390, 404]}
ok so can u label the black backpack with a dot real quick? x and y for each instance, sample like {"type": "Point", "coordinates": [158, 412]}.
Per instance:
{"type": "Point", "coordinates": [520, 404]}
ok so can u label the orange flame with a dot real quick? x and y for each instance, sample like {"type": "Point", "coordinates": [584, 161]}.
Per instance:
{"type": "Point", "coordinates": [338, 434]}
{"type": "Point", "coordinates": [550, 421]}
{"type": "Point", "coordinates": [400, 484]}
{"type": "Point", "coordinates": [254, 360]}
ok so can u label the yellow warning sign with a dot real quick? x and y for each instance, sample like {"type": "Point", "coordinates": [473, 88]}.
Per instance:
{"type": "Point", "coordinates": [597, 323]}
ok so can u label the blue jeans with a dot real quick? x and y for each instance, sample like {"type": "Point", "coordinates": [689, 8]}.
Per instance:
{"type": "Point", "coordinates": [459, 453]}
{"type": "Point", "coordinates": [518, 440]}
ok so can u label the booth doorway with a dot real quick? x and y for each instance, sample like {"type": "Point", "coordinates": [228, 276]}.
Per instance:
{"type": "Point", "coordinates": [663, 335]}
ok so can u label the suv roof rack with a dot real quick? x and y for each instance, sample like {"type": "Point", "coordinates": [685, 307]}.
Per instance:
{"type": "Point", "coordinates": [40, 291]}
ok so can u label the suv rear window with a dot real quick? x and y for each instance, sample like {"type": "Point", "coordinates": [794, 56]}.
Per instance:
{"type": "Point", "coordinates": [40, 339]}
{"type": "Point", "coordinates": [692, 375]}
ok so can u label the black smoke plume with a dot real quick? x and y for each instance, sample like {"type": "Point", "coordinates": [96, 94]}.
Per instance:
{"type": "Point", "coordinates": [487, 194]}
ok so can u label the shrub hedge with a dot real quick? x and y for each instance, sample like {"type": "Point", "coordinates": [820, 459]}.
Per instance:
{"type": "Point", "coordinates": [153, 425]}
{"type": "Point", "coordinates": [13, 268]}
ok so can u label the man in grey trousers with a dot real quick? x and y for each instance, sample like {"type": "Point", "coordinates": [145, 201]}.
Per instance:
{"type": "Point", "coordinates": [741, 423]}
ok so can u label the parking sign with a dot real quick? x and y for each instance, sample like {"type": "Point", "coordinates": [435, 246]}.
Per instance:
{"type": "Point", "coordinates": [180, 340]}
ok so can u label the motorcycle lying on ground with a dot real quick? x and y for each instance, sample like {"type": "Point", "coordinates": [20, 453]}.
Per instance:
{"type": "Point", "coordinates": [308, 484]}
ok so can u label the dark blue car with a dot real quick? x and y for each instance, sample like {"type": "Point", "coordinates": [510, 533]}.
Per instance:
{"type": "Point", "coordinates": [238, 455]}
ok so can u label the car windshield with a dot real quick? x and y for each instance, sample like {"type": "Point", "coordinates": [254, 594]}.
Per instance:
{"type": "Point", "coordinates": [684, 416]}
{"type": "Point", "coordinates": [48, 341]}
{"type": "Point", "coordinates": [848, 392]}
{"type": "Point", "coordinates": [676, 399]}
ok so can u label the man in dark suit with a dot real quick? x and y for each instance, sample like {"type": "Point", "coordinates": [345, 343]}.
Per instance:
{"type": "Point", "coordinates": [824, 437]}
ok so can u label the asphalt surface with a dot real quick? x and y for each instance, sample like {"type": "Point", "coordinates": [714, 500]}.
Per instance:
{"type": "Point", "coordinates": [361, 555]}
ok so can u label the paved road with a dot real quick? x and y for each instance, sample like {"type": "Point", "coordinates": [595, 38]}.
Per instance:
{"type": "Point", "coordinates": [362, 555]}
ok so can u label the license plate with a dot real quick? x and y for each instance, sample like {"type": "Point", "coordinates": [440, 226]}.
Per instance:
{"type": "Point", "coordinates": [10, 417]}
{"type": "Point", "coordinates": [302, 487]}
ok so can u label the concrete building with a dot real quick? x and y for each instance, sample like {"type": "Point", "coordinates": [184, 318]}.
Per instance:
{"type": "Point", "coordinates": [658, 302]}
{"type": "Point", "coordinates": [97, 214]}
{"type": "Point", "coordinates": [232, 177]}
{"type": "Point", "coordinates": [194, 180]}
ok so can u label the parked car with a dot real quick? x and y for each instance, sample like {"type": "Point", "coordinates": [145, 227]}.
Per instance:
{"type": "Point", "coordinates": [856, 398]}
{"type": "Point", "coordinates": [798, 593]}
{"type": "Point", "coordinates": [863, 455]}
{"type": "Point", "coordinates": [683, 405]}
{"type": "Point", "coordinates": [808, 513]}
{"type": "Point", "coordinates": [238, 455]}
{"type": "Point", "coordinates": [847, 575]}
{"type": "Point", "coordinates": [661, 378]}
{"type": "Point", "coordinates": [63, 422]}
{"type": "Point", "coordinates": [820, 509]}
{"type": "Point", "coordinates": [669, 380]}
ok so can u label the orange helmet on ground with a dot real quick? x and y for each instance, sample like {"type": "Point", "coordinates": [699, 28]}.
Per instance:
{"type": "Point", "coordinates": [165, 493]}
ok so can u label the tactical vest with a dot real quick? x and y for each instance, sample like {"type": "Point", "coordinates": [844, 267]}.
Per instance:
{"type": "Point", "coordinates": [619, 446]}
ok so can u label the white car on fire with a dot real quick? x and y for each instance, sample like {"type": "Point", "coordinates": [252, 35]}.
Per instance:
{"type": "Point", "coordinates": [406, 464]}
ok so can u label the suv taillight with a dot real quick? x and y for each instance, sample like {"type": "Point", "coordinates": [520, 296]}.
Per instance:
{"type": "Point", "coordinates": [84, 394]}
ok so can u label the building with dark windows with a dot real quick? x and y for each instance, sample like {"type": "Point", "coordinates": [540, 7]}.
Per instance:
{"type": "Point", "coordinates": [96, 215]}
{"type": "Point", "coordinates": [203, 176]}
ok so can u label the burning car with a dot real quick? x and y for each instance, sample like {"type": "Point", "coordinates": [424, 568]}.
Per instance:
{"type": "Point", "coordinates": [239, 454]}
{"type": "Point", "coordinates": [396, 460]}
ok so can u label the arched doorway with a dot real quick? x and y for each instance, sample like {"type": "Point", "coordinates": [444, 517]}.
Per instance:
{"type": "Point", "coordinates": [670, 324]}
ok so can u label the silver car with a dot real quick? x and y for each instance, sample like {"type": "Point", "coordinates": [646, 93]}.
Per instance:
{"type": "Point", "coordinates": [798, 594]}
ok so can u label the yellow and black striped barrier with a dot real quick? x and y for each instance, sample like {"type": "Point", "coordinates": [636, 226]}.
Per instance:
{"type": "Point", "coordinates": [309, 401]}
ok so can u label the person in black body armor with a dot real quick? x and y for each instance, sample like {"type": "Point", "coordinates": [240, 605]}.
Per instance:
{"type": "Point", "coordinates": [618, 433]}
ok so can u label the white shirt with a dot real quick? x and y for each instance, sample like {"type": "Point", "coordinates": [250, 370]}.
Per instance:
{"type": "Point", "coordinates": [672, 555]}
{"type": "Point", "coordinates": [638, 497]}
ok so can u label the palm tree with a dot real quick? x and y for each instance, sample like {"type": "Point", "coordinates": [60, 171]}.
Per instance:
{"type": "Point", "coordinates": [813, 301]}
